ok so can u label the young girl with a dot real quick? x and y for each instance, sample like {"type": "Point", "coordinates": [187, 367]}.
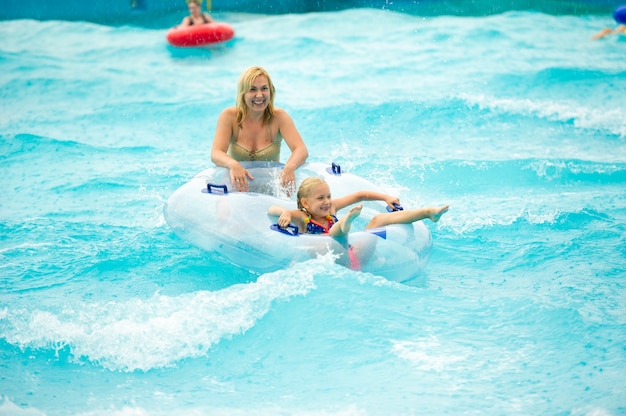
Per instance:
{"type": "Point", "coordinates": [316, 210]}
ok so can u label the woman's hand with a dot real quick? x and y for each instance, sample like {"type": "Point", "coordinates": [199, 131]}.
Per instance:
{"type": "Point", "coordinates": [288, 181]}
{"type": "Point", "coordinates": [239, 177]}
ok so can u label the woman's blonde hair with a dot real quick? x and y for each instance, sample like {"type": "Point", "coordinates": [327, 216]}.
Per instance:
{"type": "Point", "coordinates": [305, 189]}
{"type": "Point", "coordinates": [198, 2]}
{"type": "Point", "coordinates": [245, 83]}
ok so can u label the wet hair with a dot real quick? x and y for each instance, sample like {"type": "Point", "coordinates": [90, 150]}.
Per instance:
{"type": "Point", "coordinates": [198, 2]}
{"type": "Point", "coordinates": [305, 189]}
{"type": "Point", "coordinates": [243, 86]}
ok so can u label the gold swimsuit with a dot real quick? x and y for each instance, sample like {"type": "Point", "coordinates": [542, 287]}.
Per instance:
{"type": "Point", "coordinates": [270, 153]}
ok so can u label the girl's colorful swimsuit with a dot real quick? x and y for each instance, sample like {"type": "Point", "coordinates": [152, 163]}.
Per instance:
{"type": "Point", "coordinates": [313, 227]}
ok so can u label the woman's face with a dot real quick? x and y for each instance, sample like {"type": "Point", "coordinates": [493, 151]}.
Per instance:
{"type": "Point", "coordinates": [318, 203]}
{"type": "Point", "coordinates": [258, 97]}
{"type": "Point", "coordinates": [194, 8]}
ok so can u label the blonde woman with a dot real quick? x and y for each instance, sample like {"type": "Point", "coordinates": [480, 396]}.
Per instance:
{"type": "Point", "coordinates": [254, 129]}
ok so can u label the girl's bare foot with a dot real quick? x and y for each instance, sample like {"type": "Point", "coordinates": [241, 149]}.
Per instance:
{"type": "Point", "coordinates": [436, 213]}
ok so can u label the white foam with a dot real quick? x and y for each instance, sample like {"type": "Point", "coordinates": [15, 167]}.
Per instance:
{"type": "Point", "coordinates": [425, 354]}
{"type": "Point", "coordinates": [141, 334]}
{"type": "Point", "coordinates": [593, 118]}
{"type": "Point", "coordinates": [8, 408]}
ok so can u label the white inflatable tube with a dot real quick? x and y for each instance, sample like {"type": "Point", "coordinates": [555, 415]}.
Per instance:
{"type": "Point", "coordinates": [236, 227]}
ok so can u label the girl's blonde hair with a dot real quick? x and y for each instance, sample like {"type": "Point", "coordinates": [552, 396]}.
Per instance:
{"type": "Point", "coordinates": [245, 83]}
{"type": "Point", "coordinates": [198, 2]}
{"type": "Point", "coordinates": [305, 189]}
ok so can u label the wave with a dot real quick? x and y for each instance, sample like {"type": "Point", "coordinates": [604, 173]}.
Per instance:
{"type": "Point", "coordinates": [567, 225]}
{"type": "Point", "coordinates": [63, 180]}
{"type": "Point", "coordinates": [408, 174]}
{"type": "Point", "coordinates": [30, 145]}
{"type": "Point", "coordinates": [596, 116]}
{"type": "Point", "coordinates": [7, 407]}
{"type": "Point", "coordinates": [29, 151]}
{"type": "Point", "coordinates": [473, 128]}
{"type": "Point", "coordinates": [527, 172]}
{"type": "Point", "coordinates": [142, 334]}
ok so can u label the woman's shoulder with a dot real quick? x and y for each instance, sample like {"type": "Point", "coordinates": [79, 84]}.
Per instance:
{"type": "Point", "coordinates": [278, 110]}
{"type": "Point", "coordinates": [229, 112]}
{"type": "Point", "coordinates": [281, 114]}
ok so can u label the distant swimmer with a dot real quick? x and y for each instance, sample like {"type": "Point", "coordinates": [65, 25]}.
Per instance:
{"type": "Point", "coordinates": [196, 17]}
{"type": "Point", "coordinates": [620, 17]}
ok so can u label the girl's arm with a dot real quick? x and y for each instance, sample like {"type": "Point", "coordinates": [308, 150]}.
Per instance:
{"type": "Point", "coordinates": [360, 196]}
{"type": "Point", "coordinates": [286, 216]}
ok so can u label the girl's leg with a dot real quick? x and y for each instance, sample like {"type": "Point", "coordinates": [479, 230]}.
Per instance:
{"type": "Point", "coordinates": [342, 227]}
{"type": "Point", "coordinates": [407, 216]}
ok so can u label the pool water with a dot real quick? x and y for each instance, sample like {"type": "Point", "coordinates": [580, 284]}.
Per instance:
{"type": "Point", "coordinates": [517, 120]}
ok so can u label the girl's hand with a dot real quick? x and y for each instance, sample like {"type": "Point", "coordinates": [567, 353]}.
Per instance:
{"type": "Point", "coordinates": [391, 200]}
{"type": "Point", "coordinates": [285, 219]}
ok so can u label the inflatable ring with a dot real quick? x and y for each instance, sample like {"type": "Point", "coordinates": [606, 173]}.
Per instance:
{"type": "Point", "coordinates": [200, 35]}
{"type": "Point", "coordinates": [620, 14]}
{"type": "Point", "coordinates": [235, 227]}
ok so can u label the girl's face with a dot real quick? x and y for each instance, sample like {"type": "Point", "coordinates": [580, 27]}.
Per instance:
{"type": "Point", "coordinates": [258, 97]}
{"type": "Point", "coordinates": [318, 203]}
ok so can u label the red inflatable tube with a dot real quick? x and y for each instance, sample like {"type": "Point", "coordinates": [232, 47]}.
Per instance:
{"type": "Point", "coordinates": [200, 35]}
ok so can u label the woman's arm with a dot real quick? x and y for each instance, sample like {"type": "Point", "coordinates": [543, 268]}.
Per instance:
{"type": "Point", "coordinates": [223, 132]}
{"type": "Point", "coordinates": [299, 151]}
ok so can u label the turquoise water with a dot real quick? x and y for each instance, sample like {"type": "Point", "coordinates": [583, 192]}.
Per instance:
{"type": "Point", "coordinates": [517, 120]}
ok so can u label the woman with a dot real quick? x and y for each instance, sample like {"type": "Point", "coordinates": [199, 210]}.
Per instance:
{"type": "Point", "coordinates": [196, 17]}
{"type": "Point", "coordinates": [254, 130]}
